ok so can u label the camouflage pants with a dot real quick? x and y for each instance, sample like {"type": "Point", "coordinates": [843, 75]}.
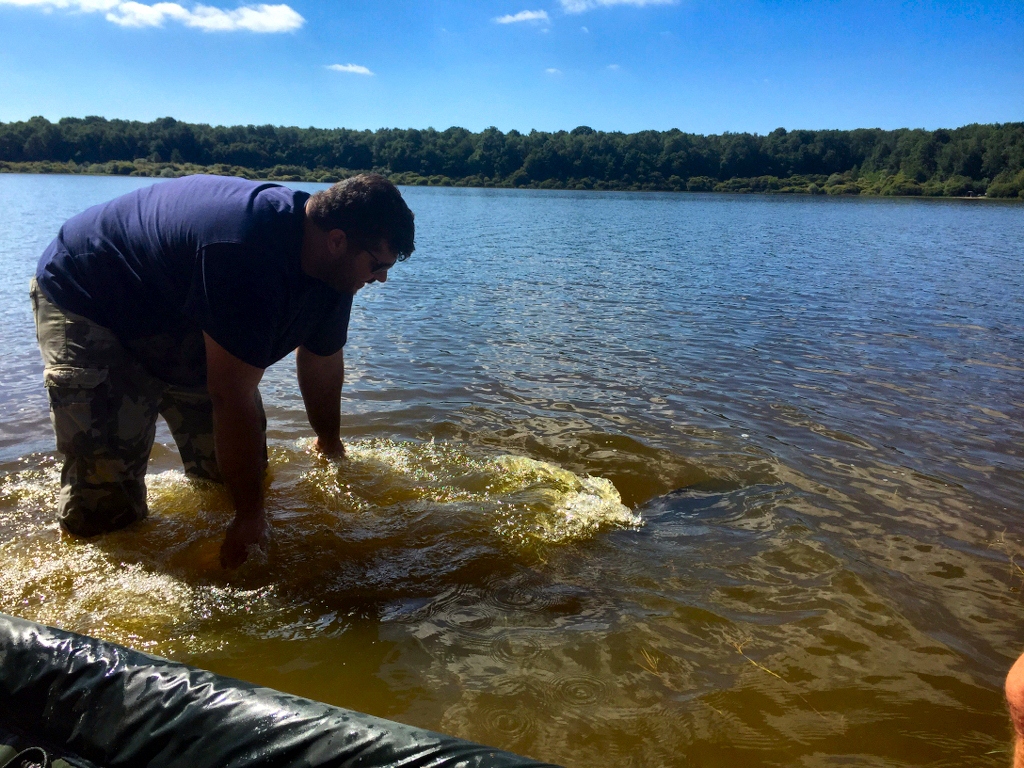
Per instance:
{"type": "Point", "coordinates": [104, 405]}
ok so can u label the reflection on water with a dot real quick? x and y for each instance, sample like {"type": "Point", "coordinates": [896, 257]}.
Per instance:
{"type": "Point", "coordinates": [633, 479]}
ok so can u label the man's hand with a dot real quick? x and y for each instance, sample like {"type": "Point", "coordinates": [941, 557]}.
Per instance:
{"type": "Point", "coordinates": [335, 450]}
{"type": "Point", "coordinates": [241, 534]}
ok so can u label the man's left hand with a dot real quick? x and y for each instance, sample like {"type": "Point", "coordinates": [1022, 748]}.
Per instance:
{"type": "Point", "coordinates": [331, 449]}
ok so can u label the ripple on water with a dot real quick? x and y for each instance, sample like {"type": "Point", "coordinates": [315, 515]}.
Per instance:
{"type": "Point", "coordinates": [579, 690]}
{"type": "Point", "coordinates": [516, 646]}
{"type": "Point", "coordinates": [514, 724]}
{"type": "Point", "coordinates": [414, 611]}
{"type": "Point", "coordinates": [510, 707]}
{"type": "Point", "coordinates": [519, 597]}
{"type": "Point", "coordinates": [456, 618]}
{"type": "Point", "coordinates": [469, 618]}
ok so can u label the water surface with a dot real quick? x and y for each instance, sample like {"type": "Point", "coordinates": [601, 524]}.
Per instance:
{"type": "Point", "coordinates": [635, 479]}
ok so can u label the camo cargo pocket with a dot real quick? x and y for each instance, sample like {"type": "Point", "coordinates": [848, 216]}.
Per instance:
{"type": "Point", "coordinates": [78, 405]}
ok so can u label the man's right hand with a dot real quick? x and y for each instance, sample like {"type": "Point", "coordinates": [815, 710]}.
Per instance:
{"type": "Point", "coordinates": [332, 450]}
{"type": "Point", "coordinates": [239, 441]}
{"type": "Point", "coordinates": [241, 534]}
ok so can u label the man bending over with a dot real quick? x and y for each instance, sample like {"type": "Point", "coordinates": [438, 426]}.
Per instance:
{"type": "Point", "coordinates": [172, 300]}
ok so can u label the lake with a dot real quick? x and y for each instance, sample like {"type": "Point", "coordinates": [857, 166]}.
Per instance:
{"type": "Point", "coordinates": [637, 479]}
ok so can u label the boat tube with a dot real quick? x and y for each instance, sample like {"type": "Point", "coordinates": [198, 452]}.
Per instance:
{"type": "Point", "coordinates": [93, 704]}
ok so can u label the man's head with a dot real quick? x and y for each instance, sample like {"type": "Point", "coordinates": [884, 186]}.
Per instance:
{"type": "Point", "coordinates": [370, 210]}
{"type": "Point", "coordinates": [357, 230]}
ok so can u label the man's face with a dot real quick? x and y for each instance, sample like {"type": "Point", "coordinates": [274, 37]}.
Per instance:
{"type": "Point", "coordinates": [374, 264]}
{"type": "Point", "coordinates": [361, 265]}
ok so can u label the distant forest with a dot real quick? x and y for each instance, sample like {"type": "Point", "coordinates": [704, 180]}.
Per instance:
{"type": "Point", "coordinates": [971, 161]}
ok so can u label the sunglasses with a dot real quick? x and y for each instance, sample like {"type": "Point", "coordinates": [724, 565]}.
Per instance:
{"type": "Point", "coordinates": [378, 267]}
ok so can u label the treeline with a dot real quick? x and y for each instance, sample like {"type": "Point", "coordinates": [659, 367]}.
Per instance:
{"type": "Point", "coordinates": [973, 160]}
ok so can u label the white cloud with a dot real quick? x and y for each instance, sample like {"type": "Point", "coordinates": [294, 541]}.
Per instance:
{"type": "Point", "coordinates": [579, 6]}
{"type": "Point", "coordinates": [613, 67]}
{"type": "Point", "coordinates": [355, 69]}
{"type": "Point", "coordinates": [553, 71]}
{"type": "Point", "coordinates": [141, 15]}
{"type": "Point", "coordinates": [515, 18]}
{"type": "Point", "coordinates": [262, 18]}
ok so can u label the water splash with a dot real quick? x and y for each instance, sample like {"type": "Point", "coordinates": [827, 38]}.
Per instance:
{"type": "Point", "coordinates": [527, 502]}
{"type": "Point", "coordinates": [394, 520]}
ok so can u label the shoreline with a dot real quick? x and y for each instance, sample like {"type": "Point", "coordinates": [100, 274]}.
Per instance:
{"type": "Point", "coordinates": [814, 186]}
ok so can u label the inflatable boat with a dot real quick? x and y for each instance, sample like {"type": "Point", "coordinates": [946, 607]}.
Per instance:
{"type": "Point", "coordinates": [72, 700]}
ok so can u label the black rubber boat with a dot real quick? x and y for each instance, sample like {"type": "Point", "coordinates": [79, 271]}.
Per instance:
{"type": "Point", "coordinates": [92, 704]}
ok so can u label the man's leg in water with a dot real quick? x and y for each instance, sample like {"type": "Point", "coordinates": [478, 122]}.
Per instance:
{"type": "Point", "coordinates": [103, 407]}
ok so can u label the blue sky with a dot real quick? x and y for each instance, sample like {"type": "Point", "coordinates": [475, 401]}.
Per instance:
{"type": "Point", "coordinates": [699, 65]}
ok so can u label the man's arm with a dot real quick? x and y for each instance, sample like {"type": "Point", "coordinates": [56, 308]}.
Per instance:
{"type": "Point", "coordinates": [320, 380]}
{"type": "Point", "coordinates": [1014, 689]}
{"type": "Point", "coordinates": [238, 440]}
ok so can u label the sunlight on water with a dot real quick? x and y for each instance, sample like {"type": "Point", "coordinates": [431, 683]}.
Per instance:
{"type": "Point", "coordinates": [533, 502]}
{"type": "Point", "coordinates": [367, 518]}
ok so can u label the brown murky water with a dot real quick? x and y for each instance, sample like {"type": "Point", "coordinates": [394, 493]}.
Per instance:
{"type": "Point", "coordinates": [640, 480]}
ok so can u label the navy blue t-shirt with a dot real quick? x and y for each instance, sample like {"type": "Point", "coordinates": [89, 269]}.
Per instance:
{"type": "Point", "coordinates": [210, 253]}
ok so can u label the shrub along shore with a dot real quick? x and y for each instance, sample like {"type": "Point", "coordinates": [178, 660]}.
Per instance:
{"type": "Point", "coordinates": [849, 183]}
{"type": "Point", "coordinates": [972, 161]}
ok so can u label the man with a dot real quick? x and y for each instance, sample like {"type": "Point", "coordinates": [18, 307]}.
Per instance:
{"type": "Point", "coordinates": [1014, 689]}
{"type": "Point", "coordinates": [173, 300]}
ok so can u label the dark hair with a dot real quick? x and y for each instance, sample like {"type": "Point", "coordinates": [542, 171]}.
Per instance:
{"type": "Point", "coordinates": [368, 208]}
